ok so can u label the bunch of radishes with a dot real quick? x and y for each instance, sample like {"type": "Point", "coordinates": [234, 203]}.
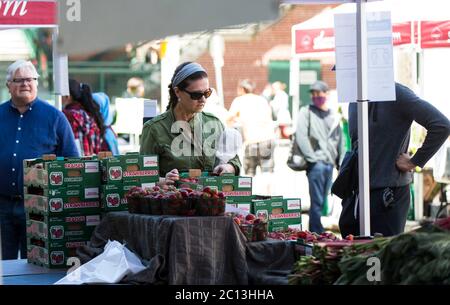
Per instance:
{"type": "Point", "coordinates": [306, 236]}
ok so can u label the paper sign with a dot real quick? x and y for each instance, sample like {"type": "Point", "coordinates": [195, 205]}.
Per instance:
{"type": "Point", "coordinates": [380, 66]}
{"type": "Point", "coordinates": [130, 115]}
{"type": "Point", "coordinates": [150, 108]}
{"type": "Point", "coordinates": [60, 62]}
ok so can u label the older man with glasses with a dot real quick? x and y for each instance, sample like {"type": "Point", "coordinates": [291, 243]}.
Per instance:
{"type": "Point", "coordinates": [30, 128]}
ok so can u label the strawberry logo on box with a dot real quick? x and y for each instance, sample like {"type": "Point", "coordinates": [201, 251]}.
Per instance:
{"type": "Point", "coordinates": [56, 178]}
{"type": "Point", "coordinates": [115, 173]}
{"type": "Point", "coordinates": [57, 232]}
{"type": "Point", "coordinates": [112, 200]}
{"type": "Point", "coordinates": [57, 257]}
{"type": "Point", "coordinates": [56, 205]}
{"type": "Point", "coordinates": [263, 215]}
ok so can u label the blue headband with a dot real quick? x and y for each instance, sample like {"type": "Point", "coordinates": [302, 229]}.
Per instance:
{"type": "Point", "coordinates": [185, 72]}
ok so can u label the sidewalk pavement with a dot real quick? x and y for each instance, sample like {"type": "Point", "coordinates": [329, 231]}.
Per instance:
{"type": "Point", "coordinates": [288, 183]}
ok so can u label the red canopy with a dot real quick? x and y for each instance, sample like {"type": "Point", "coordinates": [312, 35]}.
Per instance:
{"type": "Point", "coordinates": [15, 14]}
{"type": "Point", "coordinates": [434, 34]}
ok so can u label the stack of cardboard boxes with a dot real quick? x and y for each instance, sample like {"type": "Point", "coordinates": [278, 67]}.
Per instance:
{"type": "Point", "coordinates": [121, 173]}
{"type": "Point", "coordinates": [62, 202]}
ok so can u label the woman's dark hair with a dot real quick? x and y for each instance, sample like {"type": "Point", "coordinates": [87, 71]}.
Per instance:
{"type": "Point", "coordinates": [173, 99]}
{"type": "Point", "coordinates": [82, 93]}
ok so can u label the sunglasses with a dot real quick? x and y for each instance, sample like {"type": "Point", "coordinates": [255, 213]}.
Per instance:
{"type": "Point", "coordinates": [198, 95]}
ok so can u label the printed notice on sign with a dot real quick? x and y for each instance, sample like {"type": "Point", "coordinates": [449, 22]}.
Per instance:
{"type": "Point", "coordinates": [380, 67]}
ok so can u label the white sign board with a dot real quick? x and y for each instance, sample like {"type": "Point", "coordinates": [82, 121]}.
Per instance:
{"type": "Point", "coordinates": [381, 86]}
{"type": "Point", "coordinates": [150, 108]}
{"type": "Point", "coordinates": [130, 115]}
{"type": "Point", "coordinates": [61, 70]}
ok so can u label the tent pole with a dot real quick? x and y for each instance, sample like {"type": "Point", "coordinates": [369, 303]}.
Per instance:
{"type": "Point", "coordinates": [60, 72]}
{"type": "Point", "coordinates": [294, 88]}
{"type": "Point", "coordinates": [363, 124]}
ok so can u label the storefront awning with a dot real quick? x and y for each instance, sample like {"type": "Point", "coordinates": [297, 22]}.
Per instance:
{"type": "Point", "coordinates": [28, 14]}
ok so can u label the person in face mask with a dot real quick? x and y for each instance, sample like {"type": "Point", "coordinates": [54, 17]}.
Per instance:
{"type": "Point", "coordinates": [320, 139]}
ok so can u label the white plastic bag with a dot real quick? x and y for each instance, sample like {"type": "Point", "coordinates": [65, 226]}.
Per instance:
{"type": "Point", "coordinates": [110, 267]}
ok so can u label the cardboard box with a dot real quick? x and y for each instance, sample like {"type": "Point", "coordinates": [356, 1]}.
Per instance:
{"type": "Point", "coordinates": [281, 213]}
{"type": "Point", "coordinates": [238, 187]}
{"type": "Point", "coordinates": [52, 254]}
{"type": "Point", "coordinates": [130, 167]}
{"type": "Point", "coordinates": [113, 196]}
{"type": "Point", "coordinates": [232, 186]}
{"type": "Point", "coordinates": [245, 205]}
{"type": "Point", "coordinates": [64, 200]}
{"type": "Point", "coordinates": [284, 224]}
{"type": "Point", "coordinates": [59, 228]}
{"type": "Point", "coordinates": [61, 172]}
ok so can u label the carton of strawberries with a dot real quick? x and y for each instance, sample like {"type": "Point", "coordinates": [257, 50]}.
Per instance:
{"type": "Point", "coordinates": [168, 200]}
{"type": "Point", "coordinates": [254, 228]}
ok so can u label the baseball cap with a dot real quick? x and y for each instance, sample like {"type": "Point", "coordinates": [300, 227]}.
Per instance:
{"type": "Point", "coordinates": [319, 86]}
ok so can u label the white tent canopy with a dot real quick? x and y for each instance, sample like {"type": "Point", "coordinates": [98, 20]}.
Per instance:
{"type": "Point", "coordinates": [401, 11]}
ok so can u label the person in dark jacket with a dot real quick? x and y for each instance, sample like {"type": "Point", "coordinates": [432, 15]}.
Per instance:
{"type": "Point", "coordinates": [391, 168]}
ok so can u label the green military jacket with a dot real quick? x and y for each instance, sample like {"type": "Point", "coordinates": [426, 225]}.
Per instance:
{"type": "Point", "coordinates": [184, 145]}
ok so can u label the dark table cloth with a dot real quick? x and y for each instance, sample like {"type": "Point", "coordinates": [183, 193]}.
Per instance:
{"type": "Point", "coordinates": [192, 250]}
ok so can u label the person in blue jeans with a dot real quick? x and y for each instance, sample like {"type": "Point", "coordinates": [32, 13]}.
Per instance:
{"type": "Point", "coordinates": [320, 139]}
{"type": "Point", "coordinates": [30, 128]}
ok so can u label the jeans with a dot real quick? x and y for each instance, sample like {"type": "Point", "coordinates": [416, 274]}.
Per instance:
{"type": "Point", "coordinates": [319, 178]}
{"type": "Point", "coordinates": [13, 229]}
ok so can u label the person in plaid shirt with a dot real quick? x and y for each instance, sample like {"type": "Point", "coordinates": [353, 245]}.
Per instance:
{"type": "Point", "coordinates": [84, 116]}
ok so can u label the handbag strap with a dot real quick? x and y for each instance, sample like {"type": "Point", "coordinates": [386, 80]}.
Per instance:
{"type": "Point", "coordinates": [309, 122]}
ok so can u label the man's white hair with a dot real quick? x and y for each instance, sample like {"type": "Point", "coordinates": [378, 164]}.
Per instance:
{"type": "Point", "coordinates": [20, 65]}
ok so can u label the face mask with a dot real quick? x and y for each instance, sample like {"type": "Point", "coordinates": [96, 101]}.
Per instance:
{"type": "Point", "coordinates": [319, 100]}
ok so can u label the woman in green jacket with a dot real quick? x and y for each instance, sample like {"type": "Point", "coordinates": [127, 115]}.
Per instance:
{"type": "Point", "coordinates": [184, 137]}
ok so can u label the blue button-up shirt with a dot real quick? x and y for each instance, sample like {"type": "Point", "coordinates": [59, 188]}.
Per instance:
{"type": "Point", "coordinates": [42, 129]}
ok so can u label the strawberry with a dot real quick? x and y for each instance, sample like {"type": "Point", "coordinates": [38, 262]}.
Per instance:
{"type": "Point", "coordinates": [172, 197]}
{"type": "Point", "coordinates": [207, 190]}
{"type": "Point", "coordinates": [221, 195]}
{"type": "Point", "coordinates": [184, 193]}
{"type": "Point", "coordinates": [302, 235]}
{"type": "Point", "coordinates": [250, 217]}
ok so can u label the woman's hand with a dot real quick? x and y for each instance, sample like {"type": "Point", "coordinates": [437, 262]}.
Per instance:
{"type": "Point", "coordinates": [224, 169]}
{"type": "Point", "coordinates": [404, 163]}
{"type": "Point", "coordinates": [170, 178]}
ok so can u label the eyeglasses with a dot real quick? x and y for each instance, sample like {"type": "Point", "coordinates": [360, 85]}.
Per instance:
{"type": "Point", "coordinates": [24, 80]}
{"type": "Point", "coordinates": [198, 95]}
